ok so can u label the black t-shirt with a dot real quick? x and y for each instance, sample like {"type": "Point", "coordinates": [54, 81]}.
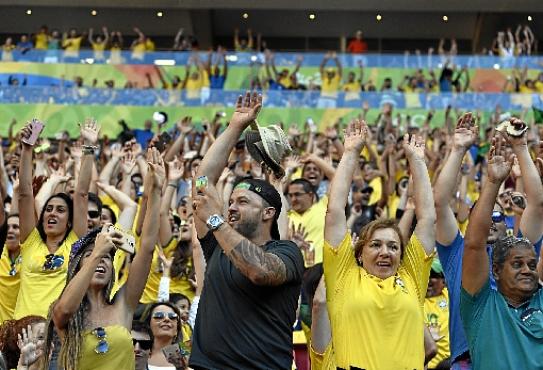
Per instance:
{"type": "Point", "coordinates": [241, 325]}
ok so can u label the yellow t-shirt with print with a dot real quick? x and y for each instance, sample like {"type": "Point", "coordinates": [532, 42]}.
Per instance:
{"type": "Point", "coordinates": [436, 316]}
{"type": "Point", "coordinates": [41, 41]}
{"type": "Point", "coordinates": [324, 361]}
{"type": "Point", "coordinates": [39, 286]}
{"type": "Point", "coordinates": [313, 221]}
{"type": "Point", "coordinates": [377, 324]}
{"type": "Point", "coordinates": [9, 284]}
{"type": "Point", "coordinates": [330, 86]}
{"type": "Point", "coordinates": [177, 284]}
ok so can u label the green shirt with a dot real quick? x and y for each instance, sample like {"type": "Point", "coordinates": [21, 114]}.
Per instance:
{"type": "Point", "coordinates": [500, 336]}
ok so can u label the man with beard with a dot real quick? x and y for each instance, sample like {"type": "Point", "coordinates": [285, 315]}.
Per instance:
{"type": "Point", "coordinates": [253, 279]}
{"type": "Point", "coordinates": [450, 242]}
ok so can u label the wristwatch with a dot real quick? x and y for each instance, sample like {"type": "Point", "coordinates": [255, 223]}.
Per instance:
{"type": "Point", "coordinates": [214, 222]}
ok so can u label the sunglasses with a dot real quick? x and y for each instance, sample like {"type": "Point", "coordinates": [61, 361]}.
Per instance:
{"type": "Point", "coordinates": [367, 191]}
{"type": "Point", "coordinates": [102, 346]}
{"type": "Point", "coordinates": [52, 262]}
{"type": "Point", "coordinates": [145, 344]}
{"type": "Point", "coordinates": [94, 214]}
{"type": "Point", "coordinates": [497, 217]}
{"type": "Point", "coordinates": [159, 315]}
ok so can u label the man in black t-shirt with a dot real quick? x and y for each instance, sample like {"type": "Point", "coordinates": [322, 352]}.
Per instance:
{"type": "Point", "coordinates": [253, 279]}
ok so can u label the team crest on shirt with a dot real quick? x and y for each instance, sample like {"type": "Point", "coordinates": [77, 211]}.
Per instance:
{"type": "Point", "coordinates": [443, 303]}
{"type": "Point", "coordinates": [399, 282]}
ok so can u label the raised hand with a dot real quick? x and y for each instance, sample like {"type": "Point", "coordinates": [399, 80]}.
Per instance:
{"type": "Point", "coordinates": [76, 151]}
{"type": "Point", "coordinates": [520, 141]}
{"type": "Point", "coordinates": [466, 132]}
{"type": "Point", "coordinates": [292, 162]}
{"type": "Point", "coordinates": [498, 166]}
{"type": "Point", "coordinates": [165, 261]}
{"type": "Point", "coordinates": [176, 169]}
{"type": "Point", "coordinates": [30, 345]}
{"type": "Point", "coordinates": [299, 236]}
{"type": "Point", "coordinates": [355, 135]}
{"type": "Point", "coordinates": [414, 147]}
{"type": "Point", "coordinates": [89, 131]}
{"type": "Point", "coordinates": [156, 166]}
{"type": "Point", "coordinates": [330, 133]}
{"type": "Point", "coordinates": [128, 162]}
{"type": "Point", "coordinates": [247, 109]}
{"type": "Point", "coordinates": [185, 125]}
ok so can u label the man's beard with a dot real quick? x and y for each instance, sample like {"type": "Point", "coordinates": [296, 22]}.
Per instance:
{"type": "Point", "coordinates": [248, 228]}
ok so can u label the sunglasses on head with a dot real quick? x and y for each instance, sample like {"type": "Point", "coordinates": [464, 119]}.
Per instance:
{"type": "Point", "coordinates": [497, 217]}
{"type": "Point", "coordinates": [52, 262]}
{"type": "Point", "coordinates": [145, 344]}
{"type": "Point", "coordinates": [159, 315]}
{"type": "Point", "coordinates": [94, 214]}
{"type": "Point", "coordinates": [102, 346]}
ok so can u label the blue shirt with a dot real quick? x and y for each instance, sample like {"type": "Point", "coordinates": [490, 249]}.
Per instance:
{"type": "Point", "coordinates": [502, 337]}
{"type": "Point", "coordinates": [450, 257]}
{"type": "Point", "coordinates": [217, 82]}
{"type": "Point", "coordinates": [143, 137]}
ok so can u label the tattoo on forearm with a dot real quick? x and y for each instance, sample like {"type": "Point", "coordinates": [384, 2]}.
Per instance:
{"type": "Point", "coordinates": [261, 267]}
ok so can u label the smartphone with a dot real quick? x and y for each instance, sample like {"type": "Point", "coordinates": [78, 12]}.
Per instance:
{"type": "Point", "coordinates": [163, 140]}
{"type": "Point", "coordinates": [201, 182]}
{"type": "Point", "coordinates": [172, 351]}
{"type": "Point", "coordinates": [128, 241]}
{"type": "Point", "coordinates": [37, 127]}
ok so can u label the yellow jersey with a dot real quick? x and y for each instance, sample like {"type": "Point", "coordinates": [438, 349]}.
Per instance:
{"type": "Point", "coordinates": [377, 324]}
{"type": "Point", "coordinates": [98, 46]}
{"type": "Point", "coordinates": [194, 87]}
{"type": "Point", "coordinates": [539, 86]}
{"type": "Point", "coordinates": [41, 41]}
{"type": "Point", "coordinates": [523, 89]}
{"type": "Point", "coordinates": [40, 286]}
{"type": "Point", "coordinates": [436, 317]}
{"type": "Point", "coordinates": [285, 82]}
{"type": "Point", "coordinates": [9, 284]}
{"type": "Point", "coordinates": [313, 221]}
{"type": "Point", "coordinates": [72, 43]}
{"type": "Point", "coordinates": [324, 361]}
{"type": "Point", "coordinates": [149, 45]}
{"type": "Point", "coordinates": [177, 284]}
{"type": "Point", "coordinates": [330, 86]}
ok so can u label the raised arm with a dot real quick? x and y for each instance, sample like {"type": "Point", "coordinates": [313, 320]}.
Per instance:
{"type": "Point", "coordinates": [475, 265]}
{"type": "Point", "coordinates": [75, 291]}
{"type": "Point", "coordinates": [175, 173]}
{"type": "Point", "coordinates": [260, 267]}
{"type": "Point", "coordinates": [90, 37]}
{"type": "Point", "coordinates": [89, 134]}
{"type": "Point", "coordinates": [184, 127]}
{"type": "Point", "coordinates": [323, 64]}
{"type": "Point", "coordinates": [338, 64]}
{"type": "Point", "coordinates": [126, 205]}
{"type": "Point", "coordinates": [530, 223]}
{"type": "Point", "coordinates": [27, 215]}
{"type": "Point", "coordinates": [216, 158]}
{"type": "Point", "coordinates": [139, 269]}
{"type": "Point", "coordinates": [336, 223]}
{"type": "Point", "coordinates": [422, 191]}
{"type": "Point", "coordinates": [445, 185]}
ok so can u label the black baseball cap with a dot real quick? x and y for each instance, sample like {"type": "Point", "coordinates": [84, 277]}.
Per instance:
{"type": "Point", "coordinates": [267, 192]}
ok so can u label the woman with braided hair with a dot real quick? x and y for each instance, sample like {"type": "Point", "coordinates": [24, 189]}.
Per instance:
{"type": "Point", "coordinates": [93, 326]}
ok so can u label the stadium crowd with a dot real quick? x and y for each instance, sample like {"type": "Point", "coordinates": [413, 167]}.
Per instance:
{"type": "Point", "coordinates": [390, 246]}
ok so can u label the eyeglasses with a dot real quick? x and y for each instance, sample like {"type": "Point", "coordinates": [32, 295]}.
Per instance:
{"type": "Point", "coordinates": [94, 214]}
{"type": "Point", "coordinates": [159, 315]}
{"type": "Point", "coordinates": [53, 262]}
{"type": "Point", "coordinates": [296, 195]}
{"type": "Point", "coordinates": [145, 344]}
{"type": "Point", "coordinates": [102, 346]}
{"type": "Point", "coordinates": [367, 190]}
{"type": "Point", "coordinates": [497, 217]}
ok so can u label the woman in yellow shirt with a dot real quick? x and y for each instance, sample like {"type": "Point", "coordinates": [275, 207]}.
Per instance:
{"type": "Point", "coordinates": [375, 293]}
{"type": "Point", "coordinates": [45, 243]}
{"type": "Point", "coordinates": [95, 329]}
{"type": "Point", "coordinates": [10, 266]}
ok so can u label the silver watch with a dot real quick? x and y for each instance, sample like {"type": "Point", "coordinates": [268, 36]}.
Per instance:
{"type": "Point", "coordinates": [214, 222]}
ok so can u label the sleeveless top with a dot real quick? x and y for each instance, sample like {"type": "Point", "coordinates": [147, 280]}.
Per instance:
{"type": "Point", "coordinates": [120, 354]}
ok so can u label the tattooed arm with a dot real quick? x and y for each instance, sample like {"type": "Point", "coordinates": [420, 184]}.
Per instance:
{"type": "Point", "coordinates": [250, 259]}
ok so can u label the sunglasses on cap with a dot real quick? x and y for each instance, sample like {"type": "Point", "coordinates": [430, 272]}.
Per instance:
{"type": "Point", "coordinates": [145, 344]}
{"type": "Point", "coordinates": [497, 217]}
{"type": "Point", "coordinates": [159, 315]}
{"type": "Point", "coordinates": [102, 346]}
{"type": "Point", "coordinates": [94, 214]}
{"type": "Point", "coordinates": [53, 262]}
